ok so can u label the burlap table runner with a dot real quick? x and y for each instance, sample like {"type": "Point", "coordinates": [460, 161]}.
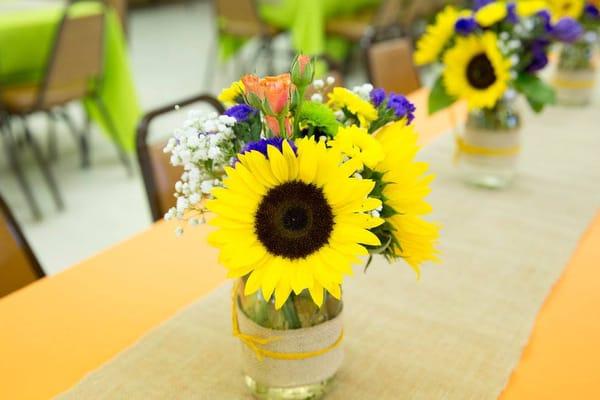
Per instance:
{"type": "Point", "coordinates": [455, 334]}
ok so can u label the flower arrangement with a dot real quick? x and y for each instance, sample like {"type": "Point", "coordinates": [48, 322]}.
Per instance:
{"type": "Point", "coordinates": [492, 48]}
{"type": "Point", "coordinates": [299, 188]}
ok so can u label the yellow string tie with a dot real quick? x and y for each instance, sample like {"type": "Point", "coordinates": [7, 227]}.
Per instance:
{"type": "Point", "coordinates": [571, 84]}
{"type": "Point", "coordinates": [256, 343]}
{"type": "Point", "coordinates": [463, 147]}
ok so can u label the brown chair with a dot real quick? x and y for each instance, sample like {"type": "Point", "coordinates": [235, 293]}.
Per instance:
{"type": "Point", "coordinates": [241, 18]}
{"type": "Point", "coordinates": [18, 265]}
{"type": "Point", "coordinates": [363, 25]}
{"type": "Point", "coordinates": [73, 71]}
{"type": "Point", "coordinates": [158, 173]}
{"type": "Point", "coordinates": [390, 66]}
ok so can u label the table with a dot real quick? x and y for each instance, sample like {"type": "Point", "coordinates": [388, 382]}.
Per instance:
{"type": "Point", "coordinates": [61, 327]}
{"type": "Point", "coordinates": [26, 35]}
{"type": "Point", "coordinates": [306, 20]}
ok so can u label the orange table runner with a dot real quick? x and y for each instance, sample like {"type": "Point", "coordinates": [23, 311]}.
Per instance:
{"type": "Point", "coordinates": [55, 331]}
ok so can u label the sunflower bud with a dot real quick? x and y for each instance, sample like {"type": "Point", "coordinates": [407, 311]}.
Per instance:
{"type": "Point", "coordinates": [303, 70]}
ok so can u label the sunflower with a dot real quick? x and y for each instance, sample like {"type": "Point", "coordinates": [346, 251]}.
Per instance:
{"type": "Point", "coordinates": [230, 95]}
{"type": "Point", "coordinates": [342, 98]}
{"type": "Point", "coordinates": [527, 8]}
{"type": "Point", "coordinates": [566, 8]}
{"type": "Point", "coordinates": [476, 70]}
{"type": "Point", "coordinates": [433, 41]}
{"type": "Point", "coordinates": [406, 186]}
{"type": "Point", "coordinates": [292, 221]}
{"type": "Point", "coordinates": [359, 146]}
{"type": "Point", "coordinates": [490, 14]}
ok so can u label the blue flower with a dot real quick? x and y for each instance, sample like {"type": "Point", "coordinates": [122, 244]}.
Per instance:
{"type": "Point", "coordinates": [377, 96]}
{"type": "Point", "coordinates": [567, 30]}
{"type": "Point", "coordinates": [511, 13]}
{"type": "Point", "coordinates": [465, 26]}
{"type": "Point", "coordinates": [401, 106]}
{"type": "Point", "coordinates": [591, 11]}
{"type": "Point", "coordinates": [539, 57]}
{"type": "Point", "coordinates": [262, 144]}
{"type": "Point", "coordinates": [546, 18]}
{"type": "Point", "coordinates": [480, 3]}
{"type": "Point", "coordinates": [241, 112]}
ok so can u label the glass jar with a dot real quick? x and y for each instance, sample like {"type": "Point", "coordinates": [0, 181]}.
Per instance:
{"type": "Point", "coordinates": [488, 148]}
{"type": "Point", "coordinates": [575, 75]}
{"type": "Point", "coordinates": [298, 324]}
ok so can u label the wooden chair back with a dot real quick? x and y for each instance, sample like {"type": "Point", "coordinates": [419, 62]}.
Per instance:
{"type": "Point", "coordinates": [77, 54]}
{"type": "Point", "coordinates": [387, 14]}
{"type": "Point", "coordinates": [18, 265]}
{"type": "Point", "coordinates": [390, 66]}
{"type": "Point", "coordinates": [239, 17]}
{"type": "Point", "coordinates": [158, 174]}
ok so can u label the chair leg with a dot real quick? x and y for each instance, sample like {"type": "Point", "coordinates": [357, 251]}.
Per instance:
{"type": "Point", "coordinates": [43, 164]}
{"type": "Point", "coordinates": [113, 133]}
{"type": "Point", "coordinates": [11, 150]}
{"type": "Point", "coordinates": [52, 140]}
{"type": "Point", "coordinates": [79, 137]}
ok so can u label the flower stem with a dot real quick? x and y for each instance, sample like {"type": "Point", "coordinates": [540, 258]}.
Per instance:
{"type": "Point", "coordinates": [290, 313]}
{"type": "Point", "coordinates": [296, 129]}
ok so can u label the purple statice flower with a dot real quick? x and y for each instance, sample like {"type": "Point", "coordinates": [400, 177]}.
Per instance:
{"type": "Point", "coordinates": [401, 106]}
{"type": "Point", "coordinates": [591, 11]}
{"type": "Point", "coordinates": [465, 26]}
{"type": "Point", "coordinates": [546, 18]}
{"type": "Point", "coordinates": [539, 55]}
{"type": "Point", "coordinates": [241, 112]}
{"type": "Point", "coordinates": [377, 96]}
{"type": "Point", "coordinates": [262, 144]}
{"type": "Point", "coordinates": [477, 4]}
{"type": "Point", "coordinates": [511, 13]}
{"type": "Point", "coordinates": [567, 30]}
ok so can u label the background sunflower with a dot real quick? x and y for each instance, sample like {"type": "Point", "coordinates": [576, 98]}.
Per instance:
{"type": "Point", "coordinates": [476, 70]}
{"type": "Point", "coordinates": [435, 38]}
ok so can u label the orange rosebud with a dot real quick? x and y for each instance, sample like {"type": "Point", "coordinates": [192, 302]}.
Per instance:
{"type": "Point", "coordinates": [276, 89]}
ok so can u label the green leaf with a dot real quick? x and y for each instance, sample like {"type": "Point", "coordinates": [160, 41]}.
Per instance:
{"type": "Point", "coordinates": [537, 92]}
{"type": "Point", "coordinates": [439, 98]}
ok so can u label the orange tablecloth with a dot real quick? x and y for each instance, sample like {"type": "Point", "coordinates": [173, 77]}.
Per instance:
{"type": "Point", "coordinates": [56, 330]}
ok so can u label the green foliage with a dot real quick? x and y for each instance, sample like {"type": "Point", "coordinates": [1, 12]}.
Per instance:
{"type": "Point", "coordinates": [318, 116]}
{"type": "Point", "coordinates": [247, 131]}
{"type": "Point", "coordinates": [536, 91]}
{"type": "Point", "coordinates": [439, 98]}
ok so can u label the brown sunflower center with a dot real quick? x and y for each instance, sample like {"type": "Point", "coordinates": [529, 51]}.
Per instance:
{"type": "Point", "coordinates": [480, 72]}
{"type": "Point", "coordinates": [294, 220]}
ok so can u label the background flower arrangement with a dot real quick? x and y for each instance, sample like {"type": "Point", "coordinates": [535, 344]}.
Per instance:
{"type": "Point", "coordinates": [494, 47]}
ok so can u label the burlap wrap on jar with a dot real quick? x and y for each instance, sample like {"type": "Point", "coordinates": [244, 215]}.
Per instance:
{"type": "Point", "coordinates": [295, 343]}
{"type": "Point", "coordinates": [489, 149]}
{"type": "Point", "coordinates": [574, 87]}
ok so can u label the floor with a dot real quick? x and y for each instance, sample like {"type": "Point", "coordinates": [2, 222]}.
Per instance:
{"type": "Point", "coordinates": [103, 204]}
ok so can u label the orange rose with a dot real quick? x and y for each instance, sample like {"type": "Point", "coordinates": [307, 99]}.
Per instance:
{"type": "Point", "coordinates": [276, 89]}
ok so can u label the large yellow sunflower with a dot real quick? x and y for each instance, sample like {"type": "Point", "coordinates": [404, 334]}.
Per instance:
{"type": "Point", "coordinates": [407, 185]}
{"type": "Point", "coordinates": [292, 221]}
{"type": "Point", "coordinates": [341, 97]}
{"type": "Point", "coordinates": [476, 70]}
{"type": "Point", "coordinates": [566, 8]}
{"type": "Point", "coordinates": [491, 13]}
{"type": "Point", "coordinates": [436, 36]}
{"type": "Point", "coordinates": [527, 8]}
